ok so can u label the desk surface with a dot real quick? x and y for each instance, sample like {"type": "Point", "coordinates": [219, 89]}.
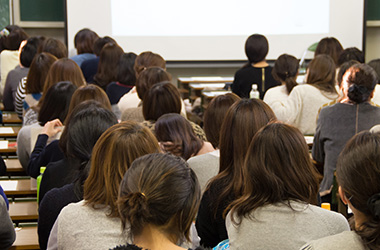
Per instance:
{"type": "Point", "coordinates": [26, 238]}
{"type": "Point", "coordinates": [212, 94]}
{"type": "Point", "coordinates": [201, 86]}
{"type": "Point", "coordinates": [8, 147]}
{"type": "Point", "coordinates": [9, 131]}
{"type": "Point", "coordinates": [23, 210]}
{"type": "Point", "coordinates": [206, 79]}
{"type": "Point", "coordinates": [13, 165]}
{"type": "Point", "coordinates": [11, 118]}
{"type": "Point", "coordinates": [18, 187]}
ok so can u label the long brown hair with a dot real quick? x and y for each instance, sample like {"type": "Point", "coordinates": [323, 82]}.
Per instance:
{"type": "Point", "coordinates": [148, 59]}
{"type": "Point", "coordinates": [278, 168]}
{"type": "Point", "coordinates": [285, 70]}
{"type": "Point", "coordinates": [112, 155]}
{"type": "Point", "coordinates": [321, 73]}
{"type": "Point", "coordinates": [358, 174]}
{"type": "Point", "coordinates": [148, 77]}
{"type": "Point", "coordinates": [329, 46]}
{"type": "Point", "coordinates": [242, 121]}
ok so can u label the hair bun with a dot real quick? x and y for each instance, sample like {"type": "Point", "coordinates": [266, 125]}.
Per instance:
{"type": "Point", "coordinates": [134, 206]}
{"type": "Point", "coordinates": [358, 93]}
{"type": "Point", "coordinates": [373, 204]}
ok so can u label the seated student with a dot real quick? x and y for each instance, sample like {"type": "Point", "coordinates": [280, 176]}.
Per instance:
{"type": "Point", "coordinates": [349, 54]}
{"type": "Point", "coordinates": [143, 61]}
{"type": "Point", "coordinates": [242, 121]}
{"type": "Point", "coordinates": [84, 42]}
{"type": "Point", "coordinates": [285, 71]}
{"type": "Point", "coordinates": [7, 231]}
{"type": "Point", "coordinates": [54, 106]}
{"type": "Point", "coordinates": [358, 173]}
{"type": "Point", "coordinates": [54, 47]}
{"type": "Point", "coordinates": [329, 46]}
{"type": "Point", "coordinates": [90, 66]}
{"type": "Point", "coordinates": [300, 109]}
{"type": "Point", "coordinates": [256, 71]}
{"type": "Point", "coordinates": [27, 52]}
{"type": "Point", "coordinates": [78, 224]}
{"type": "Point", "coordinates": [339, 122]}
{"type": "Point", "coordinates": [62, 70]}
{"type": "Point", "coordinates": [164, 98]}
{"type": "Point", "coordinates": [176, 136]}
{"type": "Point", "coordinates": [206, 166]}
{"type": "Point", "coordinates": [42, 153]}
{"type": "Point", "coordinates": [152, 214]}
{"type": "Point", "coordinates": [126, 81]}
{"type": "Point", "coordinates": [108, 65]}
{"type": "Point", "coordinates": [375, 64]}
{"type": "Point", "coordinates": [275, 209]}
{"type": "Point", "coordinates": [81, 137]}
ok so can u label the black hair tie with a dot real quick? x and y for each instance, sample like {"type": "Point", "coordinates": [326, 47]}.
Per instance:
{"type": "Point", "coordinates": [373, 204]}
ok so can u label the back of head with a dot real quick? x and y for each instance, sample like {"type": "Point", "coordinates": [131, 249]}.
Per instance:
{"type": "Point", "coordinates": [100, 42]}
{"type": "Point", "coordinates": [148, 59]}
{"type": "Point", "coordinates": [321, 73]}
{"type": "Point", "coordinates": [30, 50]}
{"type": "Point", "coordinates": [126, 74]}
{"type": "Point", "coordinates": [352, 53]}
{"type": "Point", "coordinates": [162, 98]}
{"type": "Point", "coordinates": [177, 136]}
{"type": "Point", "coordinates": [358, 173]}
{"type": "Point", "coordinates": [38, 72]}
{"type": "Point", "coordinates": [256, 48]}
{"type": "Point", "coordinates": [342, 70]}
{"type": "Point", "coordinates": [277, 168]}
{"type": "Point", "coordinates": [148, 77]}
{"type": "Point", "coordinates": [54, 47]}
{"type": "Point", "coordinates": [360, 80]}
{"type": "Point", "coordinates": [112, 155]}
{"type": "Point", "coordinates": [146, 196]}
{"type": "Point", "coordinates": [286, 70]}
{"type": "Point", "coordinates": [14, 39]}
{"type": "Point", "coordinates": [375, 64]}
{"type": "Point", "coordinates": [108, 64]}
{"type": "Point", "coordinates": [56, 102]}
{"type": "Point", "coordinates": [215, 114]}
{"type": "Point", "coordinates": [329, 46]}
{"type": "Point", "coordinates": [84, 41]}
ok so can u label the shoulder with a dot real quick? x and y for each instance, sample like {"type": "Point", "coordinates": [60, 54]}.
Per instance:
{"type": "Point", "coordinates": [333, 220]}
{"type": "Point", "coordinates": [348, 240]}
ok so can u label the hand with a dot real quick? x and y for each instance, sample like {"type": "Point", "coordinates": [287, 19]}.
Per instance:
{"type": "Point", "coordinates": [52, 128]}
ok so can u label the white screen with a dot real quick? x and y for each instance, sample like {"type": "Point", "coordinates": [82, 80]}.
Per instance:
{"type": "Point", "coordinates": [217, 29]}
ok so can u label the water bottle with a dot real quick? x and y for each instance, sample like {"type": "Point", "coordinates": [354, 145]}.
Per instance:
{"type": "Point", "coordinates": [39, 178]}
{"type": "Point", "coordinates": [254, 94]}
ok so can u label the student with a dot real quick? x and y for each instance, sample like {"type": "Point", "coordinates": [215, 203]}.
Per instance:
{"type": "Point", "coordinates": [206, 166]}
{"type": "Point", "coordinates": [329, 46]}
{"type": "Point", "coordinates": [108, 65]}
{"type": "Point", "coordinates": [285, 71]}
{"type": "Point", "coordinates": [176, 136]}
{"type": "Point", "coordinates": [81, 137]}
{"type": "Point", "coordinates": [164, 98]}
{"type": "Point", "coordinates": [7, 231]}
{"type": "Point", "coordinates": [95, 223]}
{"type": "Point", "coordinates": [152, 214]}
{"type": "Point", "coordinates": [241, 123]}
{"type": "Point", "coordinates": [54, 47]}
{"type": "Point", "coordinates": [351, 53]}
{"type": "Point", "coordinates": [339, 122]}
{"type": "Point", "coordinates": [84, 42]}
{"type": "Point", "coordinates": [300, 109]}
{"type": "Point", "coordinates": [275, 209]}
{"type": "Point", "coordinates": [375, 64]}
{"type": "Point", "coordinates": [358, 173]}
{"type": "Point", "coordinates": [256, 71]}
{"type": "Point", "coordinates": [54, 106]}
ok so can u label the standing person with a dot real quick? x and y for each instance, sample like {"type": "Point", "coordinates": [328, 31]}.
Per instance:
{"type": "Point", "coordinates": [152, 214]}
{"type": "Point", "coordinates": [256, 71]}
{"type": "Point", "coordinates": [275, 209]}
{"type": "Point", "coordinates": [339, 122]}
{"type": "Point", "coordinates": [358, 173]}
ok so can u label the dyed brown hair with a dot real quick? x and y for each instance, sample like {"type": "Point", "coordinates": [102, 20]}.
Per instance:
{"type": "Point", "coordinates": [215, 114]}
{"type": "Point", "coordinates": [38, 72]}
{"type": "Point", "coordinates": [84, 41]}
{"type": "Point", "coordinates": [329, 46]}
{"type": "Point", "coordinates": [321, 73]}
{"type": "Point", "coordinates": [148, 59]}
{"type": "Point", "coordinates": [112, 155]}
{"type": "Point", "coordinates": [146, 196]}
{"type": "Point", "coordinates": [54, 47]}
{"type": "Point", "coordinates": [162, 98]}
{"type": "Point", "coordinates": [358, 174]}
{"type": "Point", "coordinates": [361, 80]}
{"type": "Point", "coordinates": [277, 168]}
{"type": "Point", "coordinates": [177, 136]}
{"type": "Point", "coordinates": [242, 121]}
{"type": "Point", "coordinates": [148, 77]}
{"type": "Point", "coordinates": [285, 70]}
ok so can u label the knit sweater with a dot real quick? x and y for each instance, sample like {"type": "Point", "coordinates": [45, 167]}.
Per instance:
{"type": "Point", "coordinates": [11, 84]}
{"type": "Point", "coordinates": [347, 240]}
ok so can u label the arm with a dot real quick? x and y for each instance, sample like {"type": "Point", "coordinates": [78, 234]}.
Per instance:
{"type": "Point", "coordinates": [7, 231]}
{"type": "Point", "coordinates": [19, 98]}
{"type": "Point", "coordinates": [53, 237]}
{"type": "Point", "coordinates": [37, 156]}
{"type": "Point", "coordinates": [23, 146]}
{"type": "Point", "coordinates": [318, 151]}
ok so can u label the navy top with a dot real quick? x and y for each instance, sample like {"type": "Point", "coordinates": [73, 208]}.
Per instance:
{"type": "Point", "coordinates": [89, 69]}
{"type": "Point", "coordinates": [116, 90]}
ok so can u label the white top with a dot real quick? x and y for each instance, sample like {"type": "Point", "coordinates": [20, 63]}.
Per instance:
{"type": "Point", "coordinates": [129, 100]}
{"type": "Point", "coordinates": [281, 227]}
{"type": "Point", "coordinates": [9, 60]}
{"type": "Point", "coordinates": [376, 96]}
{"type": "Point", "coordinates": [278, 93]}
{"type": "Point", "coordinates": [301, 108]}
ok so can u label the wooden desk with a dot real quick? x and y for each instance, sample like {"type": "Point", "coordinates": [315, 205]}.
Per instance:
{"type": "Point", "coordinates": [11, 118]}
{"type": "Point", "coordinates": [23, 210]}
{"type": "Point", "coordinates": [309, 140]}
{"type": "Point", "coordinates": [183, 82]}
{"type": "Point", "coordinates": [13, 165]}
{"type": "Point", "coordinates": [197, 88]}
{"type": "Point", "coordinates": [26, 238]}
{"type": "Point", "coordinates": [6, 132]}
{"type": "Point", "coordinates": [8, 147]}
{"type": "Point", "coordinates": [18, 187]}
